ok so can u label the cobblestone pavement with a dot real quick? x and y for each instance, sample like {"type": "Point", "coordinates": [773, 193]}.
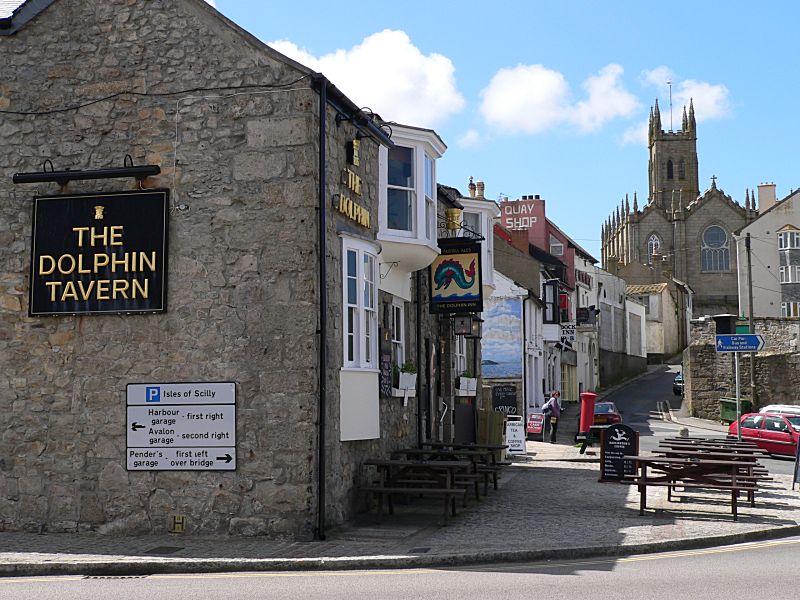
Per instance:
{"type": "Point", "coordinates": [549, 505]}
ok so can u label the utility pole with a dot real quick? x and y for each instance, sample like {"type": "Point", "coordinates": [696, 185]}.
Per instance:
{"type": "Point", "coordinates": [750, 320]}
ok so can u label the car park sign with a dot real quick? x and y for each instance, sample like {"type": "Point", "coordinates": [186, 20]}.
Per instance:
{"type": "Point", "coordinates": [740, 342]}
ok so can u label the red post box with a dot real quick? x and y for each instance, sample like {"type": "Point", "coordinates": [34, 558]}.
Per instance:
{"type": "Point", "coordinates": [587, 412]}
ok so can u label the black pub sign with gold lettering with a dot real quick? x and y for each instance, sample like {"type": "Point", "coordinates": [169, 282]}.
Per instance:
{"type": "Point", "coordinates": [99, 253]}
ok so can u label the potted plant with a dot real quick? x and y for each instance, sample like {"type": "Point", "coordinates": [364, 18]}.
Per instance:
{"type": "Point", "coordinates": [407, 376]}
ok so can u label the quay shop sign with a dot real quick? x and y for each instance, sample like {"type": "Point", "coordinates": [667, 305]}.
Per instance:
{"type": "Point", "coordinates": [99, 253]}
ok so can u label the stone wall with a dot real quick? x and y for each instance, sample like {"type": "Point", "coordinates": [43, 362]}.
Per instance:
{"type": "Point", "coordinates": [709, 375]}
{"type": "Point", "coordinates": [242, 167]}
{"type": "Point", "coordinates": [616, 367]}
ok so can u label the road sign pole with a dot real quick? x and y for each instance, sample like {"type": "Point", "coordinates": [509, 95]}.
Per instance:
{"type": "Point", "coordinates": [738, 401]}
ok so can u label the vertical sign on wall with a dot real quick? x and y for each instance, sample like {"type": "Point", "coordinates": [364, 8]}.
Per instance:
{"type": "Point", "coordinates": [455, 277]}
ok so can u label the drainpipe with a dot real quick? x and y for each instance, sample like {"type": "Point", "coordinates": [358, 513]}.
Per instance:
{"type": "Point", "coordinates": [323, 313]}
{"type": "Point", "coordinates": [418, 281]}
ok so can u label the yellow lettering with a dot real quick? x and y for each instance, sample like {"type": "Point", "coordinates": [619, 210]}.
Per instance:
{"type": "Point", "coordinates": [102, 289]}
{"type": "Point", "coordinates": [86, 292]}
{"type": "Point", "coordinates": [121, 286]}
{"type": "Point", "coordinates": [80, 265]}
{"type": "Point", "coordinates": [151, 262]}
{"type": "Point", "coordinates": [52, 268]}
{"type": "Point", "coordinates": [119, 261]}
{"type": "Point", "coordinates": [69, 291]}
{"type": "Point", "coordinates": [80, 231]}
{"type": "Point", "coordinates": [139, 290]}
{"type": "Point", "coordinates": [116, 236]}
{"type": "Point", "coordinates": [94, 236]}
{"type": "Point", "coordinates": [61, 261]}
{"type": "Point", "coordinates": [53, 285]}
{"type": "Point", "coordinates": [97, 261]}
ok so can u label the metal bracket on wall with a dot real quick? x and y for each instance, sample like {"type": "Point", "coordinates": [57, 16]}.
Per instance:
{"type": "Point", "coordinates": [63, 177]}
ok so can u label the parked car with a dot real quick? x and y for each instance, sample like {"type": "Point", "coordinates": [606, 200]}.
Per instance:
{"type": "Point", "coordinates": [774, 432]}
{"type": "Point", "coordinates": [606, 413]}
{"type": "Point", "coordinates": [783, 409]}
{"type": "Point", "coordinates": [677, 384]}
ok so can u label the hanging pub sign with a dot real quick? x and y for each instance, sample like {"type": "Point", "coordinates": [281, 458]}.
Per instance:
{"type": "Point", "coordinates": [99, 253]}
{"type": "Point", "coordinates": [455, 277]}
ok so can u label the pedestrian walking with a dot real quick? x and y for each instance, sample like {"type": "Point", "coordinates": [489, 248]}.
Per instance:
{"type": "Point", "coordinates": [553, 408]}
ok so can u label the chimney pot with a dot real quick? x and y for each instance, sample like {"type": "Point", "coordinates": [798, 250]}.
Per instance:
{"type": "Point", "coordinates": [537, 197]}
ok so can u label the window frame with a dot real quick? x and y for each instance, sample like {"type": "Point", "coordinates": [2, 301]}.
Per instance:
{"type": "Point", "coordinates": [411, 193]}
{"type": "Point", "coordinates": [789, 240]}
{"type": "Point", "coordinates": [398, 335]}
{"type": "Point", "coordinates": [790, 309]}
{"type": "Point", "coordinates": [364, 331]}
{"type": "Point", "coordinates": [717, 264]}
{"type": "Point", "coordinates": [460, 355]}
{"type": "Point", "coordinates": [558, 244]}
{"type": "Point", "coordinates": [653, 242]}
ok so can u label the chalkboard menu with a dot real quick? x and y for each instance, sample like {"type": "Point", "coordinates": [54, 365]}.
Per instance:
{"type": "Point", "coordinates": [618, 441]}
{"type": "Point", "coordinates": [385, 382]}
{"type": "Point", "coordinates": [504, 399]}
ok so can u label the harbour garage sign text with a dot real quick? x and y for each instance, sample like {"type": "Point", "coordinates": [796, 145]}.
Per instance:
{"type": "Point", "coordinates": [99, 253]}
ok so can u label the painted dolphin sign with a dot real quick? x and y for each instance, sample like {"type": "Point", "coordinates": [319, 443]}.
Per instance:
{"type": "Point", "coordinates": [455, 277]}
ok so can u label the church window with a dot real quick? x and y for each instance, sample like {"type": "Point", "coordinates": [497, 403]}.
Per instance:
{"type": "Point", "coordinates": [682, 169]}
{"type": "Point", "coordinates": [669, 170]}
{"type": "Point", "coordinates": [653, 246]}
{"type": "Point", "coordinates": [715, 250]}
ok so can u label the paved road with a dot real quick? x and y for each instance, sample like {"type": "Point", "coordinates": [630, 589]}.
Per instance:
{"type": "Point", "coordinates": [757, 571]}
{"type": "Point", "coordinates": [639, 403]}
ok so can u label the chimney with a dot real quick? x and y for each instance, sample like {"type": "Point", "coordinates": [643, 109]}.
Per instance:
{"type": "Point", "coordinates": [480, 187]}
{"type": "Point", "coordinates": [766, 197]}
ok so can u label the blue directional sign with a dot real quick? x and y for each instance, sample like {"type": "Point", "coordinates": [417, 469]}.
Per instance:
{"type": "Point", "coordinates": [740, 342]}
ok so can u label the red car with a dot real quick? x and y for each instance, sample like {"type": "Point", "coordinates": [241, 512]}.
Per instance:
{"type": "Point", "coordinates": [606, 413]}
{"type": "Point", "coordinates": [775, 433]}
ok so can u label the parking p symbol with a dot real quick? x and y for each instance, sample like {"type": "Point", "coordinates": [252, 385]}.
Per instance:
{"type": "Point", "coordinates": [152, 394]}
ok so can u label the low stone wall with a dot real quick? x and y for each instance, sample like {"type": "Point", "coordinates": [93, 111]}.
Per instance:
{"type": "Point", "coordinates": [710, 375]}
{"type": "Point", "coordinates": [616, 367]}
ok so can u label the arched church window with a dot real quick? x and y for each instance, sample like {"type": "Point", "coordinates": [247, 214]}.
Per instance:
{"type": "Point", "coordinates": [682, 169]}
{"type": "Point", "coordinates": [715, 250]}
{"type": "Point", "coordinates": [653, 246]}
{"type": "Point", "coordinates": [669, 170]}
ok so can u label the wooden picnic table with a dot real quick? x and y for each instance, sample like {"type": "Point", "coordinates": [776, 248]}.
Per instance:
{"type": "Point", "coordinates": [724, 442]}
{"type": "Point", "coordinates": [691, 472]}
{"type": "Point", "coordinates": [467, 446]}
{"type": "Point", "coordinates": [417, 477]}
{"type": "Point", "coordinates": [484, 462]}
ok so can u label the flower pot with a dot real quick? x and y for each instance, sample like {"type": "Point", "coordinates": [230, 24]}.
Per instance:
{"type": "Point", "coordinates": [407, 381]}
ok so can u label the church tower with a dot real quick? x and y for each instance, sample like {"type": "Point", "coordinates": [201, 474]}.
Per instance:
{"type": "Point", "coordinates": [673, 161]}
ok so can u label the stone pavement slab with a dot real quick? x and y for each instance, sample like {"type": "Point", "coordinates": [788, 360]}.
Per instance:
{"type": "Point", "coordinates": [549, 505]}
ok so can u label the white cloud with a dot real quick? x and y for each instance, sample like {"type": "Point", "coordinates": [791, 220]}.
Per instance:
{"type": "Point", "coordinates": [607, 99]}
{"type": "Point", "coordinates": [710, 101]}
{"type": "Point", "coordinates": [636, 134]}
{"type": "Point", "coordinates": [390, 75]}
{"type": "Point", "coordinates": [525, 99]}
{"type": "Point", "coordinates": [532, 98]}
{"type": "Point", "coordinates": [470, 139]}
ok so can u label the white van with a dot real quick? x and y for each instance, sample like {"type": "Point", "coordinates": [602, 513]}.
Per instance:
{"type": "Point", "coordinates": [784, 409]}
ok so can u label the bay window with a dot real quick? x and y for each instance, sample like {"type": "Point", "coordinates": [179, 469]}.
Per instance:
{"type": "Point", "coordinates": [401, 193]}
{"type": "Point", "coordinates": [360, 304]}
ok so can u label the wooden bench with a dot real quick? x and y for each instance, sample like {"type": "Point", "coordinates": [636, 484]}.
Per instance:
{"type": "Point", "coordinates": [734, 476]}
{"type": "Point", "coordinates": [446, 479]}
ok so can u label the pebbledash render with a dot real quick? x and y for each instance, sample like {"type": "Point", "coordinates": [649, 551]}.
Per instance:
{"type": "Point", "coordinates": [234, 128]}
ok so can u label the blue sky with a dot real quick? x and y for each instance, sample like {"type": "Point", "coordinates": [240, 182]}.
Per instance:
{"type": "Point", "coordinates": [552, 98]}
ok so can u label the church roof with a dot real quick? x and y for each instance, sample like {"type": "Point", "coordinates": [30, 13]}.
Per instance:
{"type": "Point", "coordinates": [646, 289]}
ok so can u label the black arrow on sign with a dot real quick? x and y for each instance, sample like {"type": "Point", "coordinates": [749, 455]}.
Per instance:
{"type": "Point", "coordinates": [227, 458]}
{"type": "Point", "coordinates": [135, 426]}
